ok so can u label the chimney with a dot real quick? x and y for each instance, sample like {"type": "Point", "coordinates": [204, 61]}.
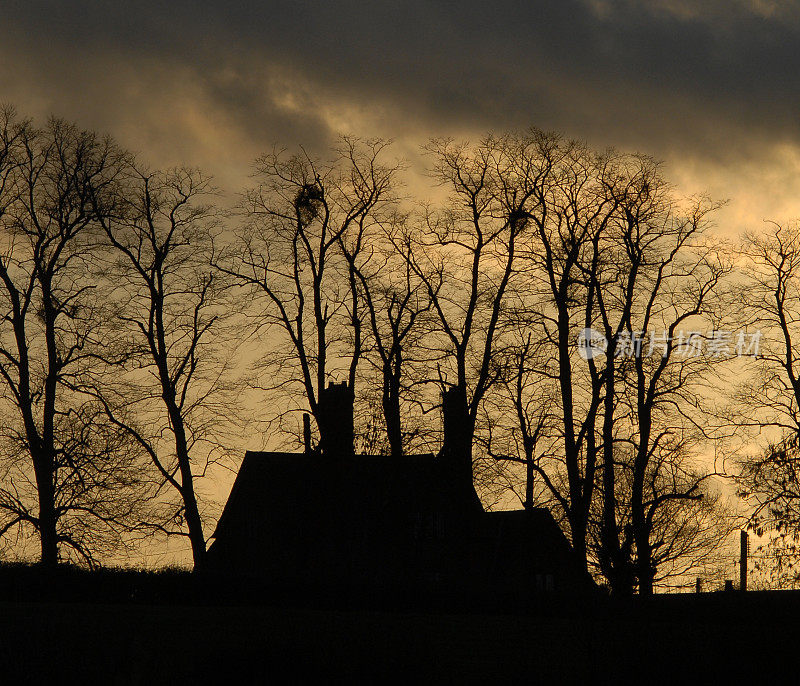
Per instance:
{"type": "Point", "coordinates": [457, 444]}
{"type": "Point", "coordinates": [335, 419]}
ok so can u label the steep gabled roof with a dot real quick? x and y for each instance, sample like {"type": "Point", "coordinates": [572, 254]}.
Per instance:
{"type": "Point", "coordinates": [275, 487]}
{"type": "Point", "coordinates": [532, 534]}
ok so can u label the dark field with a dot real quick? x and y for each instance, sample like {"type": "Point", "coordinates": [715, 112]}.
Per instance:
{"type": "Point", "coordinates": [241, 637]}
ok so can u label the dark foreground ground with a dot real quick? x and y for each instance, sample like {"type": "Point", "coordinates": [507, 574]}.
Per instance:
{"type": "Point", "coordinates": [124, 633]}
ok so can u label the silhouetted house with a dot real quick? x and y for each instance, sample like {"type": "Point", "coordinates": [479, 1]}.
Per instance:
{"type": "Point", "coordinates": [349, 521]}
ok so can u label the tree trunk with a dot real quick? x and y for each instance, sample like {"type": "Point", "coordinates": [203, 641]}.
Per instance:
{"type": "Point", "coordinates": [644, 563]}
{"type": "Point", "coordinates": [190, 510]}
{"type": "Point", "coordinates": [641, 530]}
{"type": "Point", "coordinates": [48, 534]}
{"type": "Point", "coordinates": [195, 526]}
{"type": "Point", "coordinates": [613, 560]}
{"type": "Point", "coordinates": [578, 509]}
{"type": "Point", "coordinates": [529, 475]}
{"type": "Point", "coordinates": [391, 412]}
{"type": "Point", "coordinates": [578, 530]}
{"type": "Point", "coordinates": [641, 536]}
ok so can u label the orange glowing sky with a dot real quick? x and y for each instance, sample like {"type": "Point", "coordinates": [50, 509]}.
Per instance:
{"type": "Point", "coordinates": [710, 88]}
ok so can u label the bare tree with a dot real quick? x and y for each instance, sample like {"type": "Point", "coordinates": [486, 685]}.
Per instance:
{"type": "Point", "coordinates": [466, 255]}
{"type": "Point", "coordinates": [668, 411]}
{"type": "Point", "coordinates": [611, 254]}
{"type": "Point", "coordinates": [77, 470]}
{"type": "Point", "coordinates": [559, 257]}
{"type": "Point", "coordinates": [170, 392]}
{"type": "Point", "coordinates": [687, 521]}
{"type": "Point", "coordinates": [649, 269]}
{"type": "Point", "coordinates": [296, 259]}
{"type": "Point", "coordinates": [396, 307]}
{"type": "Point", "coordinates": [768, 300]}
{"type": "Point", "coordinates": [520, 421]}
{"type": "Point", "coordinates": [768, 400]}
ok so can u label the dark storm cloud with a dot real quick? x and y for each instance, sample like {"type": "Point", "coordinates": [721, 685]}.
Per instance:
{"type": "Point", "coordinates": [477, 62]}
{"type": "Point", "coordinates": [571, 63]}
{"type": "Point", "coordinates": [719, 82]}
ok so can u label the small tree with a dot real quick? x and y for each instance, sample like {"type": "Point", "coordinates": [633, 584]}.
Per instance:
{"type": "Point", "coordinates": [520, 423]}
{"type": "Point", "coordinates": [169, 396]}
{"type": "Point", "coordinates": [768, 398]}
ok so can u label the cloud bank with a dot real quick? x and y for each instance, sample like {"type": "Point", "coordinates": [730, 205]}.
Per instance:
{"type": "Point", "coordinates": [711, 88]}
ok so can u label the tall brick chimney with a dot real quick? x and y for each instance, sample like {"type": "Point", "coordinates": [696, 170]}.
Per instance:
{"type": "Point", "coordinates": [457, 446]}
{"type": "Point", "coordinates": [335, 420]}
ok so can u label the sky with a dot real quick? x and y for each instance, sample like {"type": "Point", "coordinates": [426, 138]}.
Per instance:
{"type": "Point", "coordinates": [711, 88]}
